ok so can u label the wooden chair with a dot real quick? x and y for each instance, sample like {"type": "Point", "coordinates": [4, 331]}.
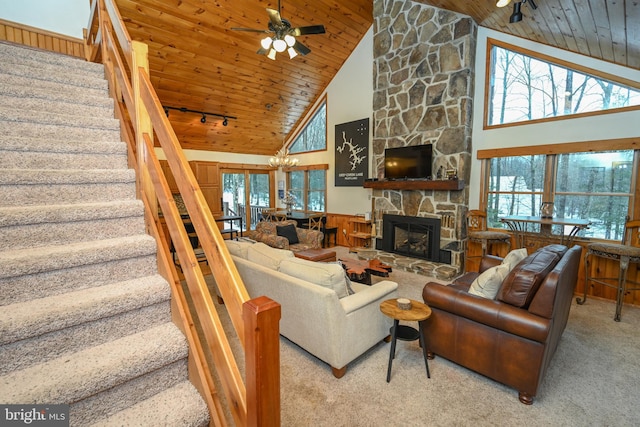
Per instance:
{"type": "Point", "coordinates": [626, 252]}
{"type": "Point", "coordinates": [273, 216]}
{"type": "Point", "coordinates": [316, 222]}
{"type": "Point", "coordinates": [477, 232]}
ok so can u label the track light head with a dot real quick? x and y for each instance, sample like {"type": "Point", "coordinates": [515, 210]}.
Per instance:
{"type": "Point", "coordinates": [516, 16]}
{"type": "Point", "coordinates": [502, 3]}
{"type": "Point", "coordinates": [225, 122]}
{"type": "Point", "coordinates": [166, 112]}
{"type": "Point", "coordinates": [203, 119]}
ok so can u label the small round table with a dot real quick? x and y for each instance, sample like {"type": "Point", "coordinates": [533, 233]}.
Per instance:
{"type": "Point", "coordinates": [419, 312]}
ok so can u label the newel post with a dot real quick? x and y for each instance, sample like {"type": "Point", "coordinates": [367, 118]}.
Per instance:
{"type": "Point", "coordinates": [262, 357]}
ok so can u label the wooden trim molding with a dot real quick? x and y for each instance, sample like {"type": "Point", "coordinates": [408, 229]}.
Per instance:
{"type": "Point", "coordinates": [41, 39]}
{"type": "Point", "coordinates": [570, 147]}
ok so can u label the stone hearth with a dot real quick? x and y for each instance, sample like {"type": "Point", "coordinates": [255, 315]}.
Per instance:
{"type": "Point", "coordinates": [412, 265]}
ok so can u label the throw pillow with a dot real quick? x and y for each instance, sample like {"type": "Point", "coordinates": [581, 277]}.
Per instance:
{"type": "Point", "coordinates": [266, 255]}
{"type": "Point", "coordinates": [288, 231]}
{"type": "Point", "coordinates": [328, 275]}
{"type": "Point", "coordinates": [488, 283]}
{"type": "Point", "coordinates": [514, 257]}
{"type": "Point", "coordinates": [522, 283]}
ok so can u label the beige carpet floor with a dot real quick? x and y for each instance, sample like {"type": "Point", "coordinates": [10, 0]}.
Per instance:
{"type": "Point", "coordinates": [592, 380]}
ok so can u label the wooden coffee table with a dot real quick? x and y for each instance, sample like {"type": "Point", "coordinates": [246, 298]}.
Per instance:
{"type": "Point", "coordinates": [361, 270]}
{"type": "Point", "coordinates": [317, 255]}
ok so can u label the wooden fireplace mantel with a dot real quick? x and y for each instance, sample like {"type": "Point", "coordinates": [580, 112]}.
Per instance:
{"type": "Point", "coordinates": [417, 184]}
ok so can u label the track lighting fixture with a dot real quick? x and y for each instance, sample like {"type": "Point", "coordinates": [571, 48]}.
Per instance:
{"type": "Point", "coordinates": [516, 16]}
{"type": "Point", "coordinates": [203, 119]}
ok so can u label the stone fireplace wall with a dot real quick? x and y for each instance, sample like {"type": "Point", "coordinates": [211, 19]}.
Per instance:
{"type": "Point", "coordinates": [423, 89]}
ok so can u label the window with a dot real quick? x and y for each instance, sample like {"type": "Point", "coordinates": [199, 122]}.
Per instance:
{"type": "Point", "coordinates": [308, 184]}
{"type": "Point", "coordinates": [588, 185]}
{"type": "Point", "coordinates": [314, 135]}
{"type": "Point", "coordinates": [522, 87]}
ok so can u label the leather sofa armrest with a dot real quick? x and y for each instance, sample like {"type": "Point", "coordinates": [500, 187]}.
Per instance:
{"type": "Point", "coordinates": [492, 313]}
{"type": "Point", "coordinates": [366, 296]}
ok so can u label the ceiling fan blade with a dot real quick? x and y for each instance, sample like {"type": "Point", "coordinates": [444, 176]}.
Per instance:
{"type": "Point", "coordinates": [253, 30]}
{"type": "Point", "coordinates": [300, 48]}
{"type": "Point", "coordinates": [311, 29]}
{"type": "Point", "coordinates": [274, 17]}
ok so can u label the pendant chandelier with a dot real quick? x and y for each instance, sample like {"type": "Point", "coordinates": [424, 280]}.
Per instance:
{"type": "Point", "coordinates": [282, 159]}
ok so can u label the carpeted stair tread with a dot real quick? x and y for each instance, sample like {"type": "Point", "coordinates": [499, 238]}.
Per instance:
{"type": "Point", "coordinates": [46, 258]}
{"type": "Point", "coordinates": [29, 145]}
{"type": "Point", "coordinates": [24, 215]}
{"type": "Point", "coordinates": [56, 119]}
{"type": "Point", "coordinates": [50, 89]}
{"type": "Point", "coordinates": [43, 106]}
{"type": "Point", "coordinates": [32, 226]}
{"type": "Point", "coordinates": [57, 132]}
{"type": "Point", "coordinates": [30, 55]}
{"type": "Point", "coordinates": [54, 73]}
{"type": "Point", "coordinates": [25, 353]}
{"type": "Point", "coordinates": [76, 66]}
{"type": "Point", "coordinates": [65, 176]}
{"type": "Point", "coordinates": [54, 282]}
{"type": "Point", "coordinates": [40, 316]}
{"type": "Point", "coordinates": [74, 377]}
{"type": "Point", "coordinates": [24, 88]}
{"type": "Point", "coordinates": [180, 405]}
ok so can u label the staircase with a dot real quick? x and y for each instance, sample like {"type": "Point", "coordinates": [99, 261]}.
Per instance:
{"type": "Point", "coordinates": [84, 316]}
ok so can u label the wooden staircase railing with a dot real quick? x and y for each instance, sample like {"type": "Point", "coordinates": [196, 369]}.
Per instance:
{"type": "Point", "coordinates": [256, 401]}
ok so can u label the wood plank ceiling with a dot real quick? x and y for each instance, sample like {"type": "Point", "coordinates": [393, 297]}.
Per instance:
{"type": "Point", "coordinates": [198, 62]}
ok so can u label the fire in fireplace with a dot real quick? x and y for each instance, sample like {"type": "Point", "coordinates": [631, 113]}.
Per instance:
{"type": "Point", "coordinates": [416, 237]}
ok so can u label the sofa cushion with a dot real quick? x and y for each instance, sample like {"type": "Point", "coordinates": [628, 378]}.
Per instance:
{"type": "Point", "coordinates": [328, 275]}
{"type": "Point", "coordinates": [487, 284]}
{"type": "Point", "coordinates": [267, 256]}
{"type": "Point", "coordinates": [238, 248]}
{"type": "Point", "coordinates": [522, 282]}
{"type": "Point", "coordinates": [514, 257]}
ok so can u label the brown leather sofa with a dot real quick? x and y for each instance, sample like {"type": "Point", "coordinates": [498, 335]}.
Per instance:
{"type": "Point", "coordinates": [512, 338]}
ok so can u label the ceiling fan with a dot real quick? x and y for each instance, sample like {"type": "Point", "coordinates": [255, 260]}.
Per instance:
{"type": "Point", "coordinates": [283, 36]}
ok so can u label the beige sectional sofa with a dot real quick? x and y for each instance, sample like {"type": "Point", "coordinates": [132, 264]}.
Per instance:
{"type": "Point", "coordinates": [319, 311]}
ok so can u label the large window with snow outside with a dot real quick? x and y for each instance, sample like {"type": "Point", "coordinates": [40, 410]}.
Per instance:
{"type": "Point", "coordinates": [523, 86]}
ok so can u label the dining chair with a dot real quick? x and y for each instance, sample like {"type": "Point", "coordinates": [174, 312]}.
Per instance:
{"type": "Point", "coordinates": [316, 222]}
{"type": "Point", "coordinates": [477, 232]}
{"type": "Point", "coordinates": [626, 252]}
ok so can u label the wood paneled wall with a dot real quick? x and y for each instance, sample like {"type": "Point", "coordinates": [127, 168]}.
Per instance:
{"type": "Point", "coordinates": [42, 39]}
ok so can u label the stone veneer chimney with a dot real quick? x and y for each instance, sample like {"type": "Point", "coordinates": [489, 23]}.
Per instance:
{"type": "Point", "coordinates": [423, 88]}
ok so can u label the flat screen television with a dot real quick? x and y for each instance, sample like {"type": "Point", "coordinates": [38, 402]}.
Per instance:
{"type": "Point", "coordinates": [412, 162]}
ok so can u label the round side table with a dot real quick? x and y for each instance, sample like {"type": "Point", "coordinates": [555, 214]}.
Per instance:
{"type": "Point", "coordinates": [419, 312]}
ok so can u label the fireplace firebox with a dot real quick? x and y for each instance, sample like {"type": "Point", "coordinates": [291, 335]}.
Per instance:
{"type": "Point", "coordinates": [410, 236]}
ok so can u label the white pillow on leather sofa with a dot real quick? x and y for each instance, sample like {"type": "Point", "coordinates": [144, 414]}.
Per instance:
{"type": "Point", "coordinates": [488, 283]}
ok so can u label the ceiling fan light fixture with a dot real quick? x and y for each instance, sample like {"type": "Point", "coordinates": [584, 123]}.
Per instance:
{"type": "Point", "coordinates": [289, 40]}
{"type": "Point", "coordinates": [266, 42]}
{"type": "Point", "coordinates": [272, 54]}
{"type": "Point", "coordinates": [279, 45]}
{"type": "Point", "coordinates": [292, 53]}
{"type": "Point", "coordinates": [502, 3]}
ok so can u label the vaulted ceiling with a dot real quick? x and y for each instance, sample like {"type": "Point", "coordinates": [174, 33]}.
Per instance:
{"type": "Point", "coordinates": [198, 62]}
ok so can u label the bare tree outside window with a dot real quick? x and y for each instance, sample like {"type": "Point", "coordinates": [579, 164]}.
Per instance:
{"type": "Point", "coordinates": [523, 88]}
